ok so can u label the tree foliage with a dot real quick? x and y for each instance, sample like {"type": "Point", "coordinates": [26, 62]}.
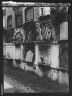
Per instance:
{"type": "Point", "coordinates": [59, 14]}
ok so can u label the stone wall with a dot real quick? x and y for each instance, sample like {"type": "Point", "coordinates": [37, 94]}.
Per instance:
{"type": "Point", "coordinates": [64, 55]}
{"type": "Point", "coordinates": [47, 54]}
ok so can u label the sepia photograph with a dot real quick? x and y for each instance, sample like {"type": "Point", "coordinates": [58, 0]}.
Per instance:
{"type": "Point", "coordinates": [35, 47]}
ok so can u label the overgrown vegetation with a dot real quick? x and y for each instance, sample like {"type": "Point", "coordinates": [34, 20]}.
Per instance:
{"type": "Point", "coordinates": [59, 14]}
{"type": "Point", "coordinates": [34, 81]}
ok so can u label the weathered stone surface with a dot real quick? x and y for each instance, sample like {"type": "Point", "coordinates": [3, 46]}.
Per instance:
{"type": "Point", "coordinates": [64, 56]}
